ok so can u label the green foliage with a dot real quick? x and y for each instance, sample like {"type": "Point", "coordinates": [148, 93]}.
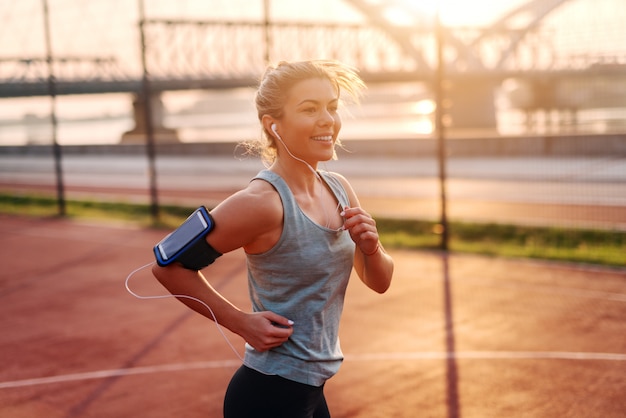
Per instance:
{"type": "Point", "coordinates": [169, 216]}
{"type": "Point", "coordinates": [574, 245]}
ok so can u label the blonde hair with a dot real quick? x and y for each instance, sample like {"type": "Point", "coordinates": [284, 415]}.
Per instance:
{"type": "Point", "coordinates": [276, 83]}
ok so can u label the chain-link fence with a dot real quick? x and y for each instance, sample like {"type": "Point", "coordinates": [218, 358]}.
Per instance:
{"type": "Point", "coordinates": [533, 114]}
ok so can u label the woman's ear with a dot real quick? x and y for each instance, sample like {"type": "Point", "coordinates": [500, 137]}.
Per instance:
{"type": "Point", "coordinates": [267, 122]}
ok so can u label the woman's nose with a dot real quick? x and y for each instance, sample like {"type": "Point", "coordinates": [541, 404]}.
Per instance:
{"type": "Point", "coordinates": [327, 118]}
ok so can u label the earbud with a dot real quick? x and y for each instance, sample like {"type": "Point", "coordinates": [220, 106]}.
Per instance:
{"type": "Point", "coordinates": [273, 128]}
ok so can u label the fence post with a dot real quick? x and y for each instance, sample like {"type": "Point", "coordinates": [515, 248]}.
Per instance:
{"type": "Point", "coordinates": [266, 26]}
{"type": "Point", "coordinates": [56, 148]}
{"type": "Point", "coordinates": [440, 129]}
{"type": "Point", "coordinates": [150, 145]}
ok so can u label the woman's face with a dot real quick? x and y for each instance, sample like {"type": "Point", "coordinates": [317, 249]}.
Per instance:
{"type": "Point", "coordinates": [310, 122]}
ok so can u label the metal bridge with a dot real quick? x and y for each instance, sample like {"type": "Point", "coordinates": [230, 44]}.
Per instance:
{"type": "Point", "coordinates": [201, 54]}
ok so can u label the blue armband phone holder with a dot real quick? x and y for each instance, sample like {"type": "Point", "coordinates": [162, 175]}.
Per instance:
{"type": "Point", "coordinates": [187, 244]}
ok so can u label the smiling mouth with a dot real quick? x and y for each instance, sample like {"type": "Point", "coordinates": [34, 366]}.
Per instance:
{"type": "Point", "coordinates": [325, 138]}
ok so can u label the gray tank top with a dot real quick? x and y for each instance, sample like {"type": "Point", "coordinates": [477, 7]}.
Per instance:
{"type": "Point", "coordinates": [303, 278]}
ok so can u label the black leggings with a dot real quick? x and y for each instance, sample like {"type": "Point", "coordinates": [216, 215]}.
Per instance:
{"type": "Point", "coordinates": [254, 394]}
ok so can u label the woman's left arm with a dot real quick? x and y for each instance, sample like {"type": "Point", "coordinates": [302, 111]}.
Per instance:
{"type": "Point", "coordinates": [371, 262]}
{"type": "Point", "coordinates": [373, 265]}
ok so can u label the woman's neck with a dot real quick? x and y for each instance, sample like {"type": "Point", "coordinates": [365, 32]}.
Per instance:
{"type": "Point", "coordinates": [300, 176]}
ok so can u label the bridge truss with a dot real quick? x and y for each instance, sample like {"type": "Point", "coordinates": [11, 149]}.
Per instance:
{"type": "Point", "coordinates": [189, 54]}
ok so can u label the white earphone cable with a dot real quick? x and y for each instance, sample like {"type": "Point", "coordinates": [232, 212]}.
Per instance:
{"type": "Point", "coordinates": [319, 177]}
{"type": "Point", "coordinates": [219, 327]}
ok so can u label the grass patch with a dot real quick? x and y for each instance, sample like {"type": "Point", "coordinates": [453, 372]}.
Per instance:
{"type": "Point", "coordinates": [136, 213]}
{"type": "Point", "coordinates": [572, 245]}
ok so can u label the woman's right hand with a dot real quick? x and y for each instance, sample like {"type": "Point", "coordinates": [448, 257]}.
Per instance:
{"type": "Point", "coordinates": [266, 330]}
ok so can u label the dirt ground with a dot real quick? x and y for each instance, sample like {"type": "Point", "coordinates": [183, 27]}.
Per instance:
{"type": "Point", "coordinates": [455, 336]}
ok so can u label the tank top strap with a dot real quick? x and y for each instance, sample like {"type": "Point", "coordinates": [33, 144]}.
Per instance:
{"type": "Point", "coordinates": [337, 188]}
{"type": "Point", "coordinates": [289, 201]}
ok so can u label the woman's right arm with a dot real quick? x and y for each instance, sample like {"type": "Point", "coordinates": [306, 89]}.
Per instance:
{"type": "Point", "coordinates": [236, 225]}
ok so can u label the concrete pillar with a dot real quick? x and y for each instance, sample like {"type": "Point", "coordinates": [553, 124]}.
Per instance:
{"type": "Point", "coordinates": [471, 106]}
{"type": "Point", "coordinates": [138, 134]}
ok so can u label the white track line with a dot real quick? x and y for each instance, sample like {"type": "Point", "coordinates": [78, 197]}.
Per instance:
{"type": "Point", "coordinates": [405, 356]}
{"type": "Point", "coordinates": [120, 372]}
{"type": "Point", "coordinates": [487, 355]}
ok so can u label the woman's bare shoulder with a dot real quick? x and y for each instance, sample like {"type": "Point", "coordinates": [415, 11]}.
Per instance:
{"type": "Point", "coordinates": [246, 216]}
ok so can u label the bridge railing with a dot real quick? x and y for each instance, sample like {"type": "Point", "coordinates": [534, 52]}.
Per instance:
{"type": "Point", "coordinates": [226, 49]}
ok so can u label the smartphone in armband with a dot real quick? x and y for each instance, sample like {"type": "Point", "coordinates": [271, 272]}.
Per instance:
{"type": "Point", "coordinates": [185, 237]}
